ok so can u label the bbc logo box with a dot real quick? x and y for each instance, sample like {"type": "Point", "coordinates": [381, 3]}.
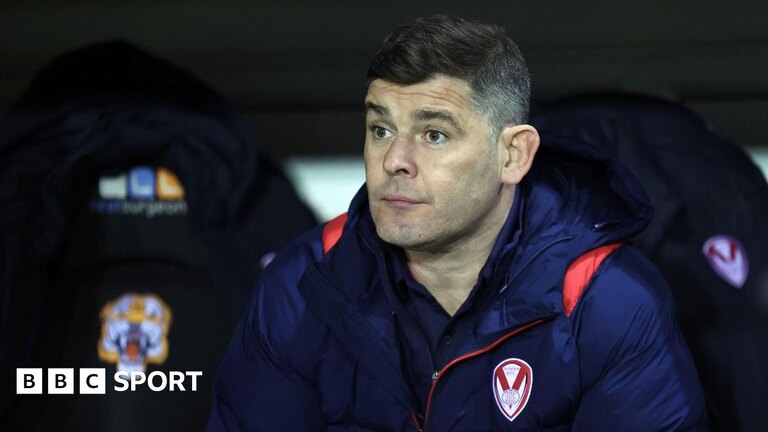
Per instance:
{"type": "Point", "coordinates": [61, 381]}
{"type": "Point", "coordinates": [93, 381]}
{"type": "Point", "coordinates": [29, 381]}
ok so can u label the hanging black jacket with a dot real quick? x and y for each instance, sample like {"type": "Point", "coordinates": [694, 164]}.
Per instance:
{"type": "Point", "coordinates": [65, 252]}
{"type": "Point", "coordinates": [709, 237]}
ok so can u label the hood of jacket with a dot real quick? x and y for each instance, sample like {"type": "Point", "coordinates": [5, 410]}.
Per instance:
{"type": "Point", "coordinates": [639, 131]}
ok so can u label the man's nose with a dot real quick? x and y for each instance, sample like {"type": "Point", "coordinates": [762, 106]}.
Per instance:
{"type": "Point", "coordinates": [399, 159]}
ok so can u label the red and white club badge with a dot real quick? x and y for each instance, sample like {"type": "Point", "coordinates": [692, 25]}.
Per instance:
{"type": "Point", "coordinates": [728, 259]}
{"type": "Point", "coordinates": [512, 382]}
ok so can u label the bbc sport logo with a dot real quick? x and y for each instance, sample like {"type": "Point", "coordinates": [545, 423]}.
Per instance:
{"type": "Point", "coordinates": [94, 381]}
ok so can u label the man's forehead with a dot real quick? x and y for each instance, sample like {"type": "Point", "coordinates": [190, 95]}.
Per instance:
{"type": "Point", "coordinates": [441, 93]}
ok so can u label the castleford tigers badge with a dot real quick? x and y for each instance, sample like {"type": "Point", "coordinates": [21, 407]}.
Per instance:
{"type": "Point", "coordinates": [512, 381]}
{"type": "Point", "coordinates": [728, 259]}
{"type": "Point", "coordinates": [134, 331]}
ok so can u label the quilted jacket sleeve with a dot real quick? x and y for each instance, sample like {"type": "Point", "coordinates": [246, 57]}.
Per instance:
{"type": "Point", "coordinates": [257, 388]}
{"type": "Point", "coordinates": [253, 392]}
{"type": "Point", "coordinates": [637, 373]}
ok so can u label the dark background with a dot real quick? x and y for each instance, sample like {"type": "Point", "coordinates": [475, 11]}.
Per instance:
{"type": "Point", "coordinates": [296, 69]}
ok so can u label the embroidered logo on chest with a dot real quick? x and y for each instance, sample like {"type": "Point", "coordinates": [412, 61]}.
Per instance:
{"type": "Point", "coordinates": [728, 259]}
{"type": "Point", "coordinates": [512, 382]}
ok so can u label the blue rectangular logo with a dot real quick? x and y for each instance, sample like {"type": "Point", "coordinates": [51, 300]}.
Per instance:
{"type": "Point", "coordinates": [141, 183]}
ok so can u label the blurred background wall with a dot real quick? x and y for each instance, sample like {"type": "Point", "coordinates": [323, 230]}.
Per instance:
{"type": "Point", "coordinates": [296, 69]}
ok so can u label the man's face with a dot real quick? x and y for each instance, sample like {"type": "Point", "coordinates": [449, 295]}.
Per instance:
{"type": "Point", "coordinates": [433, 174]}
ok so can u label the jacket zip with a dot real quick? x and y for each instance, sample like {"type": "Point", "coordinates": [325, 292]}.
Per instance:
{"type": "Point", "coordinates": [439, 374]}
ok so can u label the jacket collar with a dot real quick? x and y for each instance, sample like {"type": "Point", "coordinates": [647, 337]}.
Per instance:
{"type": "Point", "coordinates": [573, 200]}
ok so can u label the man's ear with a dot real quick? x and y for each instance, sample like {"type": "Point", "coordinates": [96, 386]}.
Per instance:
{"type": "Point", "coordinates": [519, 144]}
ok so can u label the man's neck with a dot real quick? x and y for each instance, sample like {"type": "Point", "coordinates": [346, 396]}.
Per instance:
{"type": "Point", "coordinates": [449, 275]}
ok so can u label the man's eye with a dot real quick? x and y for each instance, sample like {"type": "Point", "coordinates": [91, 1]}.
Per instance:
{"type": "Point", "coordinates": [435, 137]}
{"type": "Point", "coordinates": [380, 133]}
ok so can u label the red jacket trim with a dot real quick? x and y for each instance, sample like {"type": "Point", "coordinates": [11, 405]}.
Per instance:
{"type": "Point", "coordinates": [580, 272]}
{"type": "Point", "coordinates": [332, 231]}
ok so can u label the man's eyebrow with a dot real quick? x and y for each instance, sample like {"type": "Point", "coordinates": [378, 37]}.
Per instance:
{"type": "Point", "coordinates": [427, 115]}
{"type": "Point", "coordinates": [378, 109]}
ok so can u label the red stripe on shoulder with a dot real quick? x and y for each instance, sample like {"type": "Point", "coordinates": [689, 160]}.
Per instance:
{"type": "Point", "coordinates": [580, 272]}
{"type": "Point", "coordinates": [332, 231]}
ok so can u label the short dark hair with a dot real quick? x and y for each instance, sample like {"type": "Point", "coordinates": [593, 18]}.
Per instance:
{"type": "Point", "coordinates": [479, 53]}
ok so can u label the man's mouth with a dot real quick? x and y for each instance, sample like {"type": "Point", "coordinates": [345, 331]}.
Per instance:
{"type": "Point", "coordinates": [400, 201]}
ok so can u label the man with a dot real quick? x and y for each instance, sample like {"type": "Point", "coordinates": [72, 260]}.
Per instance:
{"type": "Point", "coordinates": [471, 288]}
